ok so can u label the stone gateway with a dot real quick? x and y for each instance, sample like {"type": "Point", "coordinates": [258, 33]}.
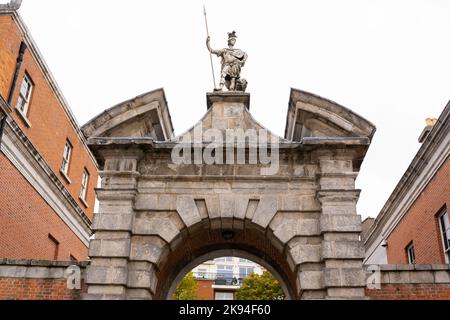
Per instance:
{"type": "Point", "coordinates": [157, 220]}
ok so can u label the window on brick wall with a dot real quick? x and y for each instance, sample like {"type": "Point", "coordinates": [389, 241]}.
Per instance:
{"type": "Point", "coordinates": [55, 245]}
{"type": "Point", "coordinates": [66, 158]}
{"type": "Point", "coordinates": [445, 232]}
{"type": "Point", "coordinates": [23, 102]}
{"type": "Point", "coordinates": [84, 184]}
{"type": "Point", "coordinates": [221, 295]}
{"type": "Point", "coordinates": [411, 254]}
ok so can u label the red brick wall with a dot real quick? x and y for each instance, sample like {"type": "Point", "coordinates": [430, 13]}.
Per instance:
{"type": "Point", "coordinates": [37, 289]}
{"type": "Point", "coordinates": [411, 292]}
{"type": "Point", "coordinates": [50, 125]}
{"type": "Point", "coordinates": [420, 224]}
{"type": "Point", "coordinates": [26, 220]}
{"type": "Point", "coordinates": [205, 290]}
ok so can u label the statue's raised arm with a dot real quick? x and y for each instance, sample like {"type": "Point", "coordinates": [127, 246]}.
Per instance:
{"type": "Point", "coordinates": [232, 62]}
{"type": "Point", "coordinates": [208, 45]}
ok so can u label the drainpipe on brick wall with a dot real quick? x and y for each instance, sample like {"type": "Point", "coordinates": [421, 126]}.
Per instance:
{"type": "Point", "coordinates": [2, 126]}
{"type": "Point", "coordinates": [22, 49]}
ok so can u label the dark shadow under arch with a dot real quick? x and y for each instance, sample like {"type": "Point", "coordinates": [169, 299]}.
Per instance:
{"type": "Point", "coordinates": [205, 244]}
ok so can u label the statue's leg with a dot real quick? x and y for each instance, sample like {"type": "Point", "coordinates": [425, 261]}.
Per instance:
{"type": "Point", "coordinates": [233, 84]}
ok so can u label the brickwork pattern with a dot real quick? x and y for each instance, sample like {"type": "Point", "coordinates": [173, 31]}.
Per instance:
{"type": "Point", "coordinates": [420, 225]}
{"type": "Point", "coordinates": [26, 220]}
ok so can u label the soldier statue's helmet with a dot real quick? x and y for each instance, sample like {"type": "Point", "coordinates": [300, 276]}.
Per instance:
{"type": "Point", "coordinates": [232, 35]}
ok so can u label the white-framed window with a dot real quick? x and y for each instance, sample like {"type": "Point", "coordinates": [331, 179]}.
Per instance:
{"type": "Point", "coordinates": [222, 295]}
{"type": "Point", "coordinates": [224, 271]}
{"type": "Point", "coordinates": [244, 272]}
{"type": "Point", "coordinates": [411, 254]}
{"type": "Point", "coordinates": [84, 184]}
{"type": "Point", "coordinates": [224, 259]}
{"type": "Point", "coordinates": [445, 232]}
{"type": "Point", "coordinates": [66, 158]}
{"type": "Point", "coordinates": [23, 102]}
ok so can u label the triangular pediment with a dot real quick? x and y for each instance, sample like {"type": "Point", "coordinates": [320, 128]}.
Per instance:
{"type": "Point", "coordinates": [144, 116]}
{"type": "Point", "coordinates": [313, 116]}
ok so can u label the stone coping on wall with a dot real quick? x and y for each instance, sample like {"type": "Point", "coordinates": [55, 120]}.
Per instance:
{"type": "Point", "coordinates": [411, 274]}
{"type": "Point", "coordinates": [37, 269]}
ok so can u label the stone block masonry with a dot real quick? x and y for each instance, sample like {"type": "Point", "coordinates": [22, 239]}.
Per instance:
{"type": "Point", "coordinates": [412, 282]}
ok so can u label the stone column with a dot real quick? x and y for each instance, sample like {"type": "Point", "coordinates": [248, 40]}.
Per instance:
{"type": "Point", "coordinates": [107, 274]}
{"type": "Point", "coordinates": [340, 226]}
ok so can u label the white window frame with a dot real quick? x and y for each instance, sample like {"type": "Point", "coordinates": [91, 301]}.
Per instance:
{"type": "Point", "coordinates": [67, 155]}
{"type": "Point", "coordinates": [25, 97]}
{"type": "Point", "coordinates": [410, 253]}
{"type": "Point", "coordinates": [247, 274]}
{"type": "Point", "coordinates": [445, 231]}
{"type": "Point", "coordinates": [223, 295]}
{"type": "Point", "coordinates": [84, 184]}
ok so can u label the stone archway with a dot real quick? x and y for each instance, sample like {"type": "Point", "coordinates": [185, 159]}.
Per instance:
{"type": "Point", "coordinates": [157, 216]}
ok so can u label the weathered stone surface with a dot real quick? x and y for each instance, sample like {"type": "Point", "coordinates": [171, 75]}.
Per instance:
{"type": "Point", "coordinates": [110, 248]}
{"type": "Point", "coordinates": [286, 226]}
{"type": "Point", "coordinates": [212, 204]}
{"type": "Point", "coordinates": [421, 277]}
{"type": "Point", "coordinates": [336, 166]}
{"type": "Point", "coordinates": [146, 202]}
{"type": "Point", "coordinates": [311, 280]}
{"type": "Point", "coordinates": [115, 221]}
{"type": "Point", "coordinates": [167, 225]}
{"type": "Point", "coordinates": [340, 223]}
{"type": "Point", "coordinates": [342, 250]}
{"type": "Point", "coordinates": [345, 293]}
{"type": "Point", "coordinates": [303, 253]}
{"type": "Point", "coordinates": [141, 276]}
{"type": "Point", "coordinates": [13, 271]}
{"type": "Point", "coordinates": [442, 276]}
{"type": "Point", "coordinates": [150, 248]}
{"type": "Point", "coordinates": [107, 275]}
{"type": "Point", "coordinates": [267, 208]}
{"type": "Point", "coordinates": [227, 205]}
{"type": "Point", "coordinates": [187, 210]}
{"type": "Point", "coordinates": [344, 277]}
{"type": "Point", "coordinates": [300, 202]}
{"type": "Point", "coordinates": [241, 207]}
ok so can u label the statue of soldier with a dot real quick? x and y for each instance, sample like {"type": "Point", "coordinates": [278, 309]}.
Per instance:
{"type": "Point", "coordinates": [232, 62]}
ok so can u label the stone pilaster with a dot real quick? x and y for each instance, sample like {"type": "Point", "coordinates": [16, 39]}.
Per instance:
{"type": "Point", "coordinates": [341, 250]}
{"type": "Point", "coordinates": [108, 275]}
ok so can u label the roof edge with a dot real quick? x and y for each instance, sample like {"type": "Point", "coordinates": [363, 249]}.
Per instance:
{"type": "Point", "coordinates": [412, 170]}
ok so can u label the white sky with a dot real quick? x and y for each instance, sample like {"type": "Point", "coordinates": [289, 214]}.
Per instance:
{"type": "Point", "coordinates": [388, 61]}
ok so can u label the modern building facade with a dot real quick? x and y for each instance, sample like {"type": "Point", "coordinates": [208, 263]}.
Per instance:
{"type": "Point", "coordinates": [219, 279]}
{"type": "Point", "coordinates": [413, 226]}
{"type": "Point", "coordinates": [47, 173]}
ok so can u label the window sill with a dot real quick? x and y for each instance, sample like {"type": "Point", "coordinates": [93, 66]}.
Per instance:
{"type": "Point", "coordinates": [24, 117]}
{"type": "Point", "coordinates": [65, 177]}
{"type": "Point", "coordinates": [85, 204]}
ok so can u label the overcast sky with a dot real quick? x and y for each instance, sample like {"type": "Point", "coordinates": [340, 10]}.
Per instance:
{"type": "Point", "coordinates": [386, 60]}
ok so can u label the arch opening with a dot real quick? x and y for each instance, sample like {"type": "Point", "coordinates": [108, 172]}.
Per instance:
{"type": "Point", "coordinates": [205, 244]}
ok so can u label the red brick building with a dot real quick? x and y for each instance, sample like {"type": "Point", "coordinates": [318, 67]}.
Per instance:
{"type": "Point", "coordinates": [413, 227]}
{"type": "Point", "coordinates": [47, 173]}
